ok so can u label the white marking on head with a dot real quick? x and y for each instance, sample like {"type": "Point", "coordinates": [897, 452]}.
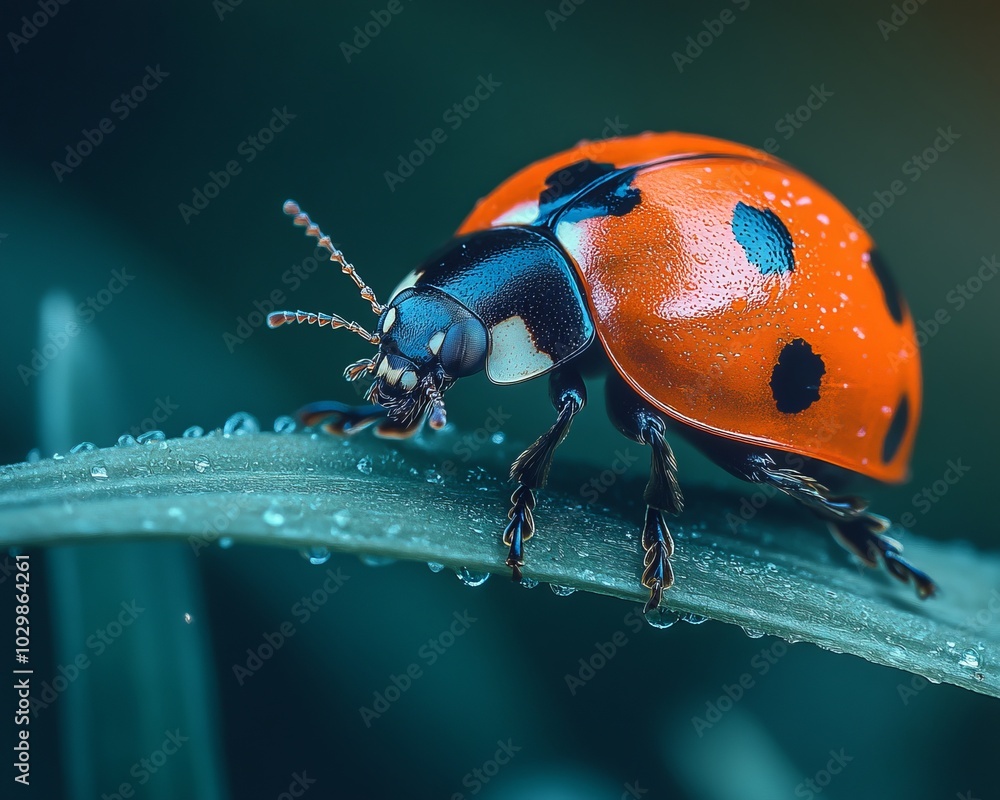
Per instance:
{"type": "Point", "coordinates": [390, 320]}
{"type": "Point", "coordinates": [435, 342]}
{"type": "Point", "coordinates": [409, 380]}
{"type": "Point", "coordinates": [514, 357]}
{"type": "Point", "coordinates": [392, 375]}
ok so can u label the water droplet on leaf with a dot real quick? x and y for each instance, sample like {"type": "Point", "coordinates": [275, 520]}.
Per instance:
{"type": "Point", "coordinates": [970, 658]}
{"type": "Point", "coordinates": [240, 424]}
{"type": "Point", "coordinates": [469, 578]}
{"type": "Point", "coordinates": [315, 555]}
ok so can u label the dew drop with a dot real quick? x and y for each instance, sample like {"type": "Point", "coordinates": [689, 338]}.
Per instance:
{"type": "Point", "coordinates": [433, 476]}
{"type": "Point", "coordinates": [201, 463]}
{"type": "Point", "coordinates": [226, 542]}
{"type": "Point", "coordinates": [83, 447]}
{"type": "Point", "coordinates": [315, 555]}
{"type": "Point", "coordinates": [151, 436]}
{"type": "Point", "coordinates": [342, 518]}
{"type": "Point", "coordinates": [376, 561]}
{"type": "Point", "coordinates": [691, 618]}
{"type": "Point", "coordinates": [433, 566]}
{"type": "Point", "coordinates": [469, 578]}
{"type": "Point", "coordinates": [561, 591]}
{"type": "Point", "coordinates": [127, 440]}
{"type": "Point", "coordinates": [393, 529]}
{"type": "Point", "coordinates": [193, 432]}
{"type": "Point", "coordinates": [528, 583]}
{"type": "Point", "coordinates": [99, 471]}
{"type": "Point", "coordinates": [498, 437]}
{"type": "Point", "coordinates": [272, 516]}
{"type": "Point", "coordinates": [365, 465]}
{"type": "Point", "coordinates": [284, 424]}
{"type": "Point", "coordinates": [175, 512]}
{"type": "Point", "coordinates": [970, 658]}
{"type": "Point", "coordinates": [753, 633]}
{"type": "Point", "coordinates": [34, 456]}
{"type": "Point", "coordinates": [187, 617]}
{"type": "Point", "coordinates": [240, 424]}
{"type": "Point", "coordinates": [660, 618]}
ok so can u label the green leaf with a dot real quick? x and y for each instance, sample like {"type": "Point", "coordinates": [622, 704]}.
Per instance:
{"type": "Point", "coordinates": [779, 573]}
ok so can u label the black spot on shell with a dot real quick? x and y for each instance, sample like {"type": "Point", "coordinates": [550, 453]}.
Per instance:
{"type": "Point", "coordinates": [615, 196]}
{"type": "Point", "coordinates": [764, 238]}
{"type": "Point", "coordinates": [897, 429]}
{"type": "Point", "coordinates": [795, 378]}
{"type": "Point", "coordinates": [893, 299]}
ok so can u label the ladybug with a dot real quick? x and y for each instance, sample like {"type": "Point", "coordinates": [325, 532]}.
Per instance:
{"type": "Point", "coordinates": [725, 297]}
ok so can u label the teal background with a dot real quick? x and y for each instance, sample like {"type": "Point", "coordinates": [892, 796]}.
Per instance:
{"type": "Point", "coordinates": [560, 80]}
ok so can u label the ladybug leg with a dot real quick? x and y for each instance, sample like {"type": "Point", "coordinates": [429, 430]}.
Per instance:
{"type": "Point", "coordinates": [645, 425]}
{"type": "Point", "coordinates": [852, 525]}
{"type": "Point", "coordinates": [531, 469]}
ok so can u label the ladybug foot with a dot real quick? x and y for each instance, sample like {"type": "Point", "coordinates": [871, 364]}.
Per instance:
{"type": "Point", "coordinates": [864, 536]}
{"type": "Point", "coordinates": [659, 546]}
{"type": "Point", "coordinates": [520, 528]}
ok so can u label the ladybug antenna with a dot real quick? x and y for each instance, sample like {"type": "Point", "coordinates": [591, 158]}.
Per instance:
{"type": "Point", "coordinates": [302, 219]}
{"type": "Point", "coordinates": [278, 318]}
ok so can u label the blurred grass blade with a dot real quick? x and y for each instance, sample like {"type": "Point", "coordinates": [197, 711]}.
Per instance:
{"type": "Point", "coordinates": [162, 682]}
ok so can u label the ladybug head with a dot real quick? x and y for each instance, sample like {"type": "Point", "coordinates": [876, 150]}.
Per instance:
{"type": "Point", "coordinates": [426, 340]}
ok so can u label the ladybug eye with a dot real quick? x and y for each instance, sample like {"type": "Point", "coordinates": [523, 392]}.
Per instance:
{"type": "Point", "coordinates": [463, 351]}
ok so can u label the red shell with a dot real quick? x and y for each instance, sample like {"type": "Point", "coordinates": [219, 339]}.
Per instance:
{"type": "Point", "coordinates": [697, 325]}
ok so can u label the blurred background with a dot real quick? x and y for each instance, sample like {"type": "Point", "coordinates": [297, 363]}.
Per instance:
{"type": "Point", "coordinates": [145, 152]}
